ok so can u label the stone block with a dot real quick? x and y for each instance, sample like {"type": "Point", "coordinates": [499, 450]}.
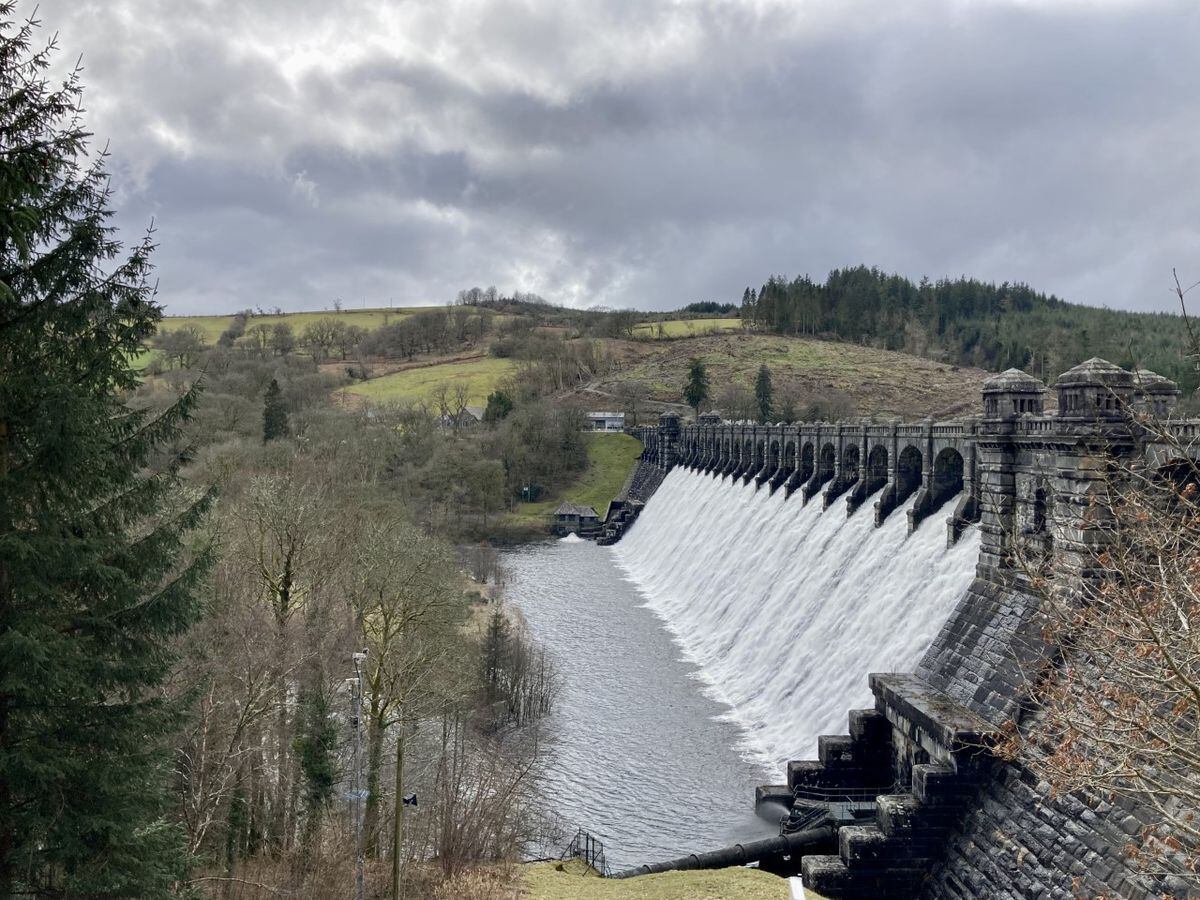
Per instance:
{"type": "Point", "coordinates": [772, 793]}
{"type": "Point", "coordinates": [896, 814]}
{"type": "Point", "coordinates": [869, 726]}
{"type": "Point", "coordinates": [935, 784]}
{"type": "Point", "coordinates": [835, 750]}
{"type": "Point", "coordinates": [825, 875]}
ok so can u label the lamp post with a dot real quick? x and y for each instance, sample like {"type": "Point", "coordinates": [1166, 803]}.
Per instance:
{"type": "Point", "coordinates": [359, 860]}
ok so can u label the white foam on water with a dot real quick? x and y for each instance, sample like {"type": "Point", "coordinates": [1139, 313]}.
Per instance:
{"type": "Point", "coordinates": [785, 608]}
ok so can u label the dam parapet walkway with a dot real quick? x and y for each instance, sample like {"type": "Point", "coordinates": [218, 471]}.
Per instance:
{"type": "Point", "coordinates": [956, 820]}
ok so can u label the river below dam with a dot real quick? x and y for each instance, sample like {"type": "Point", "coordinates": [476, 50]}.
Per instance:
{"type": "Point", "coordinates": [726, 631]}
{"type": "Point", "coordinates": [636, 751]}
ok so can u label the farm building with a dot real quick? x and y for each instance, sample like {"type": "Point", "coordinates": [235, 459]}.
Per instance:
{"type": "Point", "coordinates": [570, 517]}
{"type": "Point", "coordinates": [606, 421]}
{"type": "Point", "coordinates": [468, 418]}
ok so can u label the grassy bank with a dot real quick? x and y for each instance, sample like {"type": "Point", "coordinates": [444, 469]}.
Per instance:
{"type": "Point", "coordinates": [678, 328]}
{"type": "Point", "coordinates": [481, 376]}
{"type": "Point", "coordinates": [370, 319]}
{"type": "Point", "coordinates": [877, 382]}
{"type": "Point", "coordinates": [610, 459]}
{"type": "Point", "coordinates": [544, 881]}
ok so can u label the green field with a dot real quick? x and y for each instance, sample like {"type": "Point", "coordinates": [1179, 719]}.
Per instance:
{"type": "Point", "coordinates": [140, 361]}
{"type": "Point", "coordinates": [678, 328]}
{"type": "Point", "coordinates": [482, 376]}
{"type": "Point", "coordinates": [545, 881]}
{"type": "Point", "coordinates": [610, 458]}
{"type": "Point", "coordinates": [213, 326]}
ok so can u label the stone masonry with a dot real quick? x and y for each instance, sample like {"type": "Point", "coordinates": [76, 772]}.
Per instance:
{"type": "Point", "coordinates": [922, 807]}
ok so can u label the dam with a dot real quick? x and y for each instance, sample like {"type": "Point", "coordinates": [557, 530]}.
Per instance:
{"type": "Point", "coordinates": [851, 588]}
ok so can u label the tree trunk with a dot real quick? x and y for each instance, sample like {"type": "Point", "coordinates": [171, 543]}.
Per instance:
{"type": "Point", "coordinates": [398, 836]}
{"type": "Point", "coordinates": [7, 834]}
{"type": "Point", "coordinates": [374, 764]}
{"type": "Point", "coordinates": [282, 781]}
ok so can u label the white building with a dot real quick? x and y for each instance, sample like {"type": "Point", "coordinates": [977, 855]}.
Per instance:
{"type": "Point", "coordinates": [606, 421]}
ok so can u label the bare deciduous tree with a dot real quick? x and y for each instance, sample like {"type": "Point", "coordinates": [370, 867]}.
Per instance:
{"type": "Point", "coordinates": [410, 609]}
{"type": "Point", "coordinates": [1117, 708]}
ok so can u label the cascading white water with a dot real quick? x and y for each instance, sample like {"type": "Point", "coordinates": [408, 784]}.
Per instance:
{"type": "Point", "coordinates": [784, 608]}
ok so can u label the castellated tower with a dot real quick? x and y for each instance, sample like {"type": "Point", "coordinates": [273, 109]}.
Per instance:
{"type": "Point", "coordinates": [1039, 474]}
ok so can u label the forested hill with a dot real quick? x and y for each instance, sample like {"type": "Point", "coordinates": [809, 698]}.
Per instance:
{"type": "Point", "coordinates": [970, 322]}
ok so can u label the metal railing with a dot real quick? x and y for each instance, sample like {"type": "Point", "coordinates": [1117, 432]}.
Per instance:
{"type": "Point", "coordinates": [811, 804]}
{"type": "Point", "coordinates": [587, 848]}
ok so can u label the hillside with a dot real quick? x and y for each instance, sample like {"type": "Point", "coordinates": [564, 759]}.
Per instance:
{"type": "Point", "coordinates": [868, 381]}
{"type": "Point", "coordinates": [971, 322]}
{"type": "Point", "coordinates": [213, 326]}
{"type": "Point", "coordinates": [647, 372]}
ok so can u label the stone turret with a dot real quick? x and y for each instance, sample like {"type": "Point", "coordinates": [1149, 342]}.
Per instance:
{"type": "Point", "coordinates": [1154, 394]}
{"type": "Point", "coordinates": [1095, 389]}
{"type": "Point", "coordinates": [668, 434]}
{"type": "Point", "coordinates": [1012, 393]}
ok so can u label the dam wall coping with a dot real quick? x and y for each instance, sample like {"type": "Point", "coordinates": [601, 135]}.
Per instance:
{"type": "Point", "coordinates": [928, 716]}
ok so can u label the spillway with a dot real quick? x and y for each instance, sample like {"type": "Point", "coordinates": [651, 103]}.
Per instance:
{"type": "Point", "coordinates": [785, 608]}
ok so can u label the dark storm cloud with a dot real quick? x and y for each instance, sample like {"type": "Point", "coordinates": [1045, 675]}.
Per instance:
{"type": "Point", "coordinates": [644, 154]}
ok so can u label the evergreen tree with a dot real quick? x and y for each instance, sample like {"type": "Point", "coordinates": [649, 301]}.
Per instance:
{"type": "Point", "coordinates": [695, 391]}
{"type": "Point", "coordinates": [95, 583]}
{"type": "Point", "coordinates": [275, 422]}
{"type": "Point", "coordinates": [316, 748]}
{"type": "Point", "coordinates": [495, 654]}
{"type": "Point", "coordinates": [763, 393]}
{"type": "Point", "coordinates": [499, 405]}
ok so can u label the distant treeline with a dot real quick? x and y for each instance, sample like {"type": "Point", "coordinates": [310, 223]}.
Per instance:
{"type": "Point", "coordinates": [968, 322]}
{"type": "Point", "coordinates": [710, 308]}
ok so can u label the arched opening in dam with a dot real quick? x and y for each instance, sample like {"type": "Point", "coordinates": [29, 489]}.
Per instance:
{"type": "Point", "coordinates": [850, 457]}
{"type": "Point", "coordinates": [947, 476]}
{"type": "Point", "coordinates": [726, 630]}
{"type": "Point", "coordinates": [908, 473]}
{"type": "Point", "coordinates": [828, 462]}
{"type": "Point", "coordinates": [877, 468]}
{"type": "Point", "coordinates": [807, 466]}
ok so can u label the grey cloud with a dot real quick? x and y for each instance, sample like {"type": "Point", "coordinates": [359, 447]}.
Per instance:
{"type": "Point", "coordinates": [644, 154]}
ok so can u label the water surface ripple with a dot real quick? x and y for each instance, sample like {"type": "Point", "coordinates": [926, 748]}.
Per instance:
{"type": "Point", "coordinates": [636, 751]}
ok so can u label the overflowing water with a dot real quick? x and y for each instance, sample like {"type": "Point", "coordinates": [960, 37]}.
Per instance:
{"type": "Point", "coordinates": [724, 633]}
{"type": "Point", "coordinates": [785, 608]}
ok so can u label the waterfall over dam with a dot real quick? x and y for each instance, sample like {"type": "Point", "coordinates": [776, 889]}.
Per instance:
{"type": "Point", "coordinates": [784, 607]}
{"type": "Point", "coordinates": [759, 553]}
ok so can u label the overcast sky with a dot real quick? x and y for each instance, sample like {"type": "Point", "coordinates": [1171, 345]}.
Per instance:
{"type": "Point", "coordinates": [645, 154]}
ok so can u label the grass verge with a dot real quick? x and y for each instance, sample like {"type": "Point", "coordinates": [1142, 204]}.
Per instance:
{"type": "Point", "coordinates": [544, 881]}
{"type": "Point", "coordinates": [610, 458]}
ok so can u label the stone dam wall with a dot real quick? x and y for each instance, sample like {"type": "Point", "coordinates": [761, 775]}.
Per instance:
{"type": "Point", "coordinates": [922, 808]}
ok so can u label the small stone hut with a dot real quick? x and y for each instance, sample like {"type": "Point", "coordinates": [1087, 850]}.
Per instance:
{"type": "Point", "coordinates": [571, 517]}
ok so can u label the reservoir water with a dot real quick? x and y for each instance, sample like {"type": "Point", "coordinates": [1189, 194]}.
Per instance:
{"type": "Point", "coordinates": [637, 753]}
{"type": "Point", "coordinates": [724, 633]}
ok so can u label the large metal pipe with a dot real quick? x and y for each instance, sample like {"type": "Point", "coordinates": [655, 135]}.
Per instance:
{"type": "Point", "coordinates": [821, 839]}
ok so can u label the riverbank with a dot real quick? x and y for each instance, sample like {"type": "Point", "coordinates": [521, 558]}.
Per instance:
{"type": "Point", "coordinates": [568, 881]}
{"type": "Point", "coordinates": [611, 457]}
